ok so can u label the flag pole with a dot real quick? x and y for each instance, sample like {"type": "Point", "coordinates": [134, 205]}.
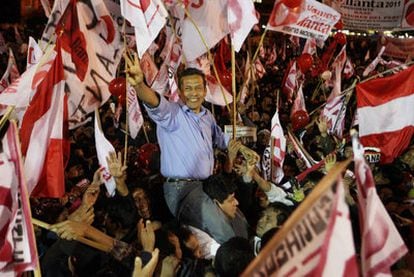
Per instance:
{"type": "Point", "coordinates": [126, 98]}
{"type": "Point", "coordinates": [233, 87]}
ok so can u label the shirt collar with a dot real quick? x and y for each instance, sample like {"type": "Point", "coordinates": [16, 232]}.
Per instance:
{"type": "Point", "coordinates": [202, 112]}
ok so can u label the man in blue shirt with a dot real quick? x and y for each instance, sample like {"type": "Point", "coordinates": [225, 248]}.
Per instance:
{"type": "Point", "coordinates": [187, 134]}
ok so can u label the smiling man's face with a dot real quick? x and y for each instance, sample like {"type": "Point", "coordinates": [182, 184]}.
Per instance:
{"type": "Point", "coordinates": [192, 92]}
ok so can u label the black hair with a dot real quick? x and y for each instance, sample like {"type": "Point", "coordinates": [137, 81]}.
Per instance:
{"type": "Point", "coordinates": [184, 235]}
{"type": "Point", "coordinates": [191, 71]}
{"type": "Point", "coordinates": [219, 187]}
{"type": "Point", "coordinates": [233, 257]}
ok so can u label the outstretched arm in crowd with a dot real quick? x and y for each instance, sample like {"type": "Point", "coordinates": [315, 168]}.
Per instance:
{"type": "Point", "coordinates": [118, 171]}
{"type": "Point", "coordinates": [135, 77]}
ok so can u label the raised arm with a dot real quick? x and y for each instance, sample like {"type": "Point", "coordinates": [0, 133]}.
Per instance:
{"type": "Point", "coordinates": [136, 78]}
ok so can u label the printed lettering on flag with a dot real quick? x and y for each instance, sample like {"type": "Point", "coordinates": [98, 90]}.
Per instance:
{"type": "Point", "coordinates": [310, 20]}
{"type": "Point", "coordinates": [95, 51]}
{"type": "Point", "coordinates": [297, 248]}
{"type": "Point", "coordinates": [147, 17]}
{"type": "Point", "coordinates": [381, 243]}
{"type": "Point", "coordinates": [103, 148]}
{"type": "Point", "coordinates": [135, 118]}
{"type": "Point", "coordinates": [385, 114]}
{"type": "Point", "coordinates": [17, 244]}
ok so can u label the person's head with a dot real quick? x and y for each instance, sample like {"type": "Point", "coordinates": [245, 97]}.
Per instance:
{"type": "Point", "coordinates": [233, 257]}
{"type": "Point", "coordinates": [193, 89]}
{"type": "Point", "coordinates": [142, 202]}
{"type": "Point", "coordinates": [222, 191]}
{"type": "Point", "coordinates": [190, 245]}
{"type": "Point", "coordinates": [267, 220]}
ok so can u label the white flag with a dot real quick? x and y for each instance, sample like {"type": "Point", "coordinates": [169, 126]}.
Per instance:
{"type": "Point", "coordinates": [103, 148]}
{"type": "Point", "coordinates": [148, 18]}
{"type": "Point", "coordinates": [34, 53]}
{"type": "Point", "coordinates": [241, 19]}
{"type": "Point", "coordinates": [135, 118]}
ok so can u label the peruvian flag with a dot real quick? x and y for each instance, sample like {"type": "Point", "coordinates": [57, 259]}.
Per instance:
{"type": "Point", "coordinates": [11, 74]}
{"type": "Point", "coordinates": [135, 118]}
{"type": "Point", "coordinates": [103, 148]}
{"type": "Point", "coordinates": [337, 256]}
{"type": "Point", "coordinates": [44, 134]}
{"type": "Point", "coordinates": [17, 242]}
{"type": "Point", "coordinates": [241, 16]}
{"type": "Point", "coordinates": [278, 146]}
{"type": "Point", "coordinates": [382, 245]}
{"type": "Point", "coordinates": [148, 17]}
{"type": "Point", "coordinates": [374, 63]}
{"type": "Point", "coordinates": [299, 103]}
{"type": "Point", "coordinates": [385, 113]}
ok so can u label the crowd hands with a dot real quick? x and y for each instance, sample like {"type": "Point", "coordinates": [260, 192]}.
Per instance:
{"type": "Point", "coordinates": [138, 236]}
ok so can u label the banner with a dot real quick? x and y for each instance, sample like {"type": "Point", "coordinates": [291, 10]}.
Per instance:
{"type": "Point", "coordinates": [92, 51]}
{"type": "Point", "coordinates": [296, 248]}
{"type": "Point", "coordinates": [400, 48]}
{"type": "Point", "coordinates": [246, 133]}
{"type": "Point", "coordinates": [314, 20]}
{"type": "Point", "coordinates": [17, 243]}
{"type": "Point", "coordinates": [375, 15]}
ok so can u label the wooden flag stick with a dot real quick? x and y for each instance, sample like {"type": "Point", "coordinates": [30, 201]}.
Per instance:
{"type": "Point", "coordinates": [83, 240]}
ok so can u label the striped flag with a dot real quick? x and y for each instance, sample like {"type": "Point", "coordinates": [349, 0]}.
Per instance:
{"type": "Point", "coordinates": [44, 133]}
{"type": "Point", "coordinates": [17, 241]}
{"type": "Point", "coordinates": [382, 245]}
{"type": "Point", "coordinates": [385, 113]}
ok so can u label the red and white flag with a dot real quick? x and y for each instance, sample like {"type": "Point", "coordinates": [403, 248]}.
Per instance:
{"type": "Point", "coordinates": [310, 46]}
{"type": "Point", "coordinates": [17, 242]}
{"type": "Point", "coordinates": [135, 118]}
{"type": "Point", "coordinates": [374, 63]}
{"type": "Point", "coordinates": [91, 51]}
{"type": "Point", "coordinates": [44, 134]}
{"type": "Point", "coordinates": [149, 68]}
{"type": "Point", "coordinates": [299, 103]}
{"type": "Point", "coordinates": [211, 19]}
{"type": "Point", "coordinates": [34, 53]}
{"type": "Point", "coordinates": [291, 83]}
{"type": "Point", "coordinates": [334, 110]}
{"type": "Point", "coordinates": [349, 70]}
{"type": "Point", "coordinates": [46, 7]}
{"type": "Point", "coordinates": [278, 145]}
{"type": "Point", "coordinates": [385, 113]}
{"type": "Point", "coordinates": [382, 245]}
{"type": "Point", "coordinates": [337, 257]}
{"type": "Point", "coordinates": [103, 148]}
{"type": "Point", "coordinates": [11, 74]}
{"type": "Point", "coordinates": [148, 18]}
{"type": "Point", "coordinates": [241, 16]}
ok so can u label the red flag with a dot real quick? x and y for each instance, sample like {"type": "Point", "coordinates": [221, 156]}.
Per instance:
{"type": "Point", "coordinates": [382, 245]}
{"type": "Point", "coordinates": [289, 82]}
{"type": "Point", "coordinates": [385, 113]}
{"type": "Point", "coordinates": [17, 242]}
{"type": "Point", "coordinates": [44, 134]}
{"type": "Point", "coordinates": [299, 103]}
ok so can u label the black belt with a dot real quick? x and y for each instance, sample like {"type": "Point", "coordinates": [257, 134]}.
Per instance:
{"type": "Point", "coordinates": [175, 180]}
